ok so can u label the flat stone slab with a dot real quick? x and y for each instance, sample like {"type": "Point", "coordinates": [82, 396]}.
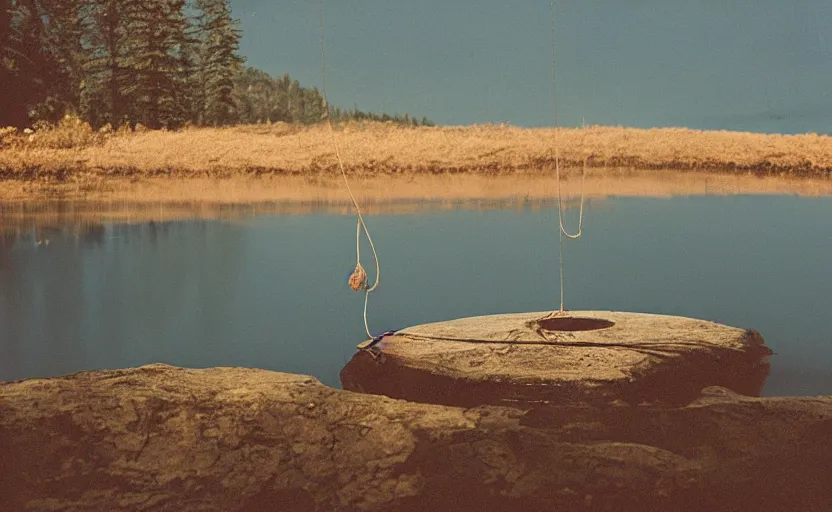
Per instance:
{"type": "Point", "coordinates": [583, 356]}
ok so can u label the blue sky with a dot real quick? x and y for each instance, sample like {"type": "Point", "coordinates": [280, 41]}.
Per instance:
{"type": "Point", "coordinates": [762, 65]}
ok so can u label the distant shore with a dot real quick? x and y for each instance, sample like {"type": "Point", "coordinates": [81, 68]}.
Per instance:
{"type": "Point", "coordinates": [281, 162]}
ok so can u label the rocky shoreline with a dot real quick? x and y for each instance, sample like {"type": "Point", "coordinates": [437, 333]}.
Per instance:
{"type": "Point", "coordinates": [166, 438]}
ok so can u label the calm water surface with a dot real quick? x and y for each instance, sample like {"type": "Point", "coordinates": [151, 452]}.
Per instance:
{"type": "Point", "coordinates": [271, 291]}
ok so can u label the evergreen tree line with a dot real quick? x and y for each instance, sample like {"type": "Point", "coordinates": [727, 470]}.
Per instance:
{"type": "Point", "coordinates": [161, 63]}
{"type": "Point", "coordinates": [358, 115]}
{"type": "Point", "coordinates": [262, 98]}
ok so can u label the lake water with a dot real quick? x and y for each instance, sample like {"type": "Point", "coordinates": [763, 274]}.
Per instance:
{"type": "Point", "coordinates": [271, 291]}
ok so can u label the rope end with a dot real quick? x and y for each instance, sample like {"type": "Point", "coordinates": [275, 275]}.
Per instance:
{"type": "Point", "coordinates": [375, 340]}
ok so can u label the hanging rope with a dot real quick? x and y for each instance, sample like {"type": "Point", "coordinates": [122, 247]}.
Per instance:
{"type": "Point", "coordinates": [561, 229]}
{"type": "Point", "coordinates": [358, 279]}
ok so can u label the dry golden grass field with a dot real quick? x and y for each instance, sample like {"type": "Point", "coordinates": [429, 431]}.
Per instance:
{"type": "Point", "coordinates": [280, 162]}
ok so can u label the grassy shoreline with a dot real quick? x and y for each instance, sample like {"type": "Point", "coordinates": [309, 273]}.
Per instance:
{"type": "Point", "coordinates": [377, 148]}
{"type": "Point", "coordinates": [267, 162]}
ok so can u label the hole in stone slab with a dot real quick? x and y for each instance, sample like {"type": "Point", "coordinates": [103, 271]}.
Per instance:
{"type": "Point", "coordinates": [567, 323]}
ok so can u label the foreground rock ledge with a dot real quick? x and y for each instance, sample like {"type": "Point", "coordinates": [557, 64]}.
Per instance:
{"type": "Point", "coordinates": [225, 439]}
{"type": "Point", "coordinates": [584, 357]}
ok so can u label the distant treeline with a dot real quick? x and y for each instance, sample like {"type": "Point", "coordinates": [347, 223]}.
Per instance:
{"type": "Point", "coordinates": [261, 98]}
{"type": "Point", "coordinates": [161, 63]}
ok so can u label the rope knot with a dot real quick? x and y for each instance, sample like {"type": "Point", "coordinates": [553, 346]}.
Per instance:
{"type": "Point", "coordinates": [358, 278]}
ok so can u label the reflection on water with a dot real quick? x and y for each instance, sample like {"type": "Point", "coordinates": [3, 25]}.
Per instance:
{"type": "Point", "coordinates": [269, 291]}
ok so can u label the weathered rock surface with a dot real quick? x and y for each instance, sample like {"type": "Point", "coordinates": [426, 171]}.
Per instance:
{"type": "Point", "coordinates": [228, 439]}
{"type": "Point", "coordinates": [587, 357]}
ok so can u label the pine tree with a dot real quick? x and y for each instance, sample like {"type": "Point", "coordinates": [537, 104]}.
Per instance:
{"type": "Point", "coordinates": [8, 37]}
{"type": "Point", "coordinates": [37, 72]}
{"type": "Point", "coordinates": [191, 87]}
{"type": "Point", "coordinates": [157, 35]}
{"type": "Point", "coordinates": [12, 109]}
{"type": "Point", "coordinates": [313, 106]}
{"type": "Point", "coordinates": [254, 94]}
{"type": "Point", "coordinates": [107, 41]}
{"type": "Point", "coordinates": [65, 25]}
{"type": "Point", "coordinates": [48, 54]}
{"type": "Point", "coordinates": [218, 36]}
